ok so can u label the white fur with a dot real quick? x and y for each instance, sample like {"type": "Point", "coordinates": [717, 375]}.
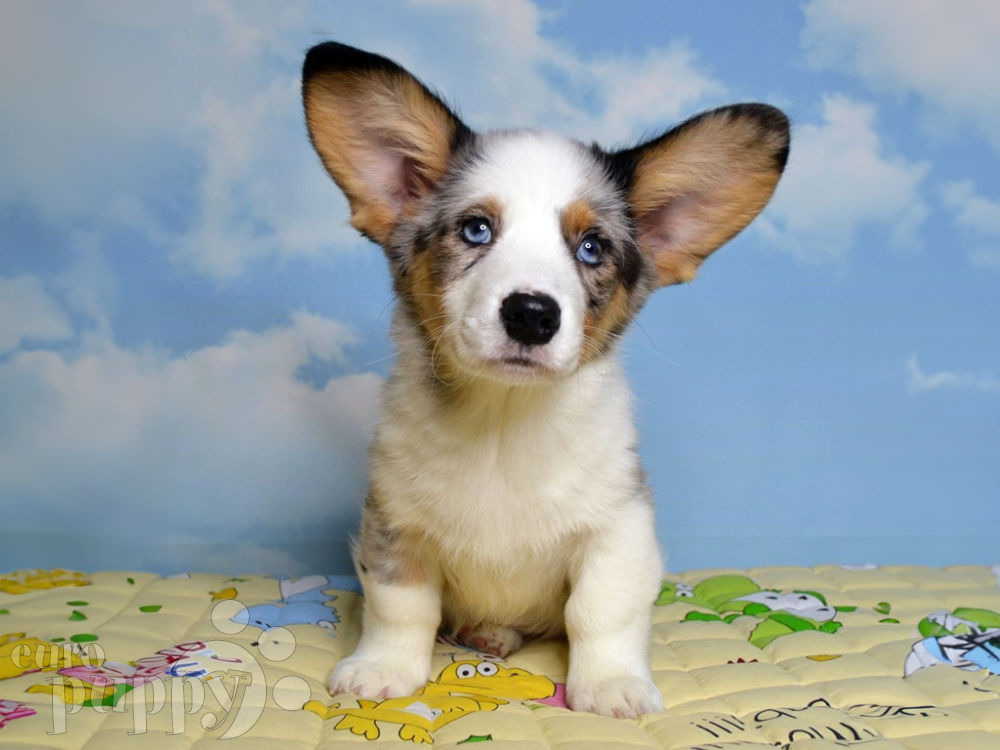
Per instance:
{"type": "Point", "coordinates": [393, 656]}
{"type": "Point", "coordinates": [529, 495]}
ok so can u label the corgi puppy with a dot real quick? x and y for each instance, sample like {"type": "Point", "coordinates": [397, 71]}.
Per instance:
{"type": "Point", "coordinates": [506, 496]}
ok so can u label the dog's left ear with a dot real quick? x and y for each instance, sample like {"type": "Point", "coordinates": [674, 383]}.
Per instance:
{"type": "Point", "coordinates": [694, 187]}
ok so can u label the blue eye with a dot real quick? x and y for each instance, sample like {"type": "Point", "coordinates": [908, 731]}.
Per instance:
{"type": "Point", "coordinates": [477, 231]}
{"type": "Point", "coordinates": [589, 251]}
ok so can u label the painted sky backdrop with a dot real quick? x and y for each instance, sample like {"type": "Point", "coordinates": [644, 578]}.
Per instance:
{"type": "Point", "coordinates": [192, 338]}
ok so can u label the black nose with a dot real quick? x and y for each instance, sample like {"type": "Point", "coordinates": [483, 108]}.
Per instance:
{"type": "Point", "coordinates": [530, 318]}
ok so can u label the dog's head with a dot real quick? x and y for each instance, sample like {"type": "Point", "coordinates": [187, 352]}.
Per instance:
{"type": "Point", "coordinates": [522, 254]}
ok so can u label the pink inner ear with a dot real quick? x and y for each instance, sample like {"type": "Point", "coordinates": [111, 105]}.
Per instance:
{"type": "Point", "coordinates": [416, 179]}
{"type": "Point", "coordinates": [677, 225]}
{"type": "Point", "coordinates": [387, 174]}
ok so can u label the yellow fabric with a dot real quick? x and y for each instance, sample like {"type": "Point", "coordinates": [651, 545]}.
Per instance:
{"type": "Point", "coordinates": [890, 658]}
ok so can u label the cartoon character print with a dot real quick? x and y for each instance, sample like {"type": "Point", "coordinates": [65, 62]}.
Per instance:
{"type": "Point", "coordinates": [10, 710]}
{"type": "Point", "coordinates": [24, 581]}
{"type": "Point", "coordinates": [303, 601]}
{"type": "Point", "coordinates": [732, 596]}
{"type": "Point", "coordinates": [966, 638]}
{"type": "Point", "coordinates": [106, 683]}
{"type": "Point", "coordinates": [463, 687]}
{"type": "Point", "coordinates": [21, 654]}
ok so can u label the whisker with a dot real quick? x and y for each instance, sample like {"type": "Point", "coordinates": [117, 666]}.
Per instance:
{"type": "Point", "coordinates": [392, 299]}
{"type": "Point", "coordinates": [380, 359]}
{"type": "Point", "coordinates": [653, 348]}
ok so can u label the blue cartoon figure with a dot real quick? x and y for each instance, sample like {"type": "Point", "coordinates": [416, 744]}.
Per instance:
{"type": "Point", "coordinates": [303, 601]}
{"type": "Point", "coordinates": [966, 638]}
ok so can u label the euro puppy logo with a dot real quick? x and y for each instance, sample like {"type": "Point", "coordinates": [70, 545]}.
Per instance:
{"type": "Point", "coordinates": [506, 497]}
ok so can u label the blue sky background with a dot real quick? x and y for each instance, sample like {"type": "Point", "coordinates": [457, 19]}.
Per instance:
{"type": "Point", "coordinates": [192, 338]}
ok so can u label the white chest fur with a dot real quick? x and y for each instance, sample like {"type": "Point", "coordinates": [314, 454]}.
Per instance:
{"type": "Point", "coordinates": [504, 482]}
{"type": "Point", "coordinates": [525, 466]}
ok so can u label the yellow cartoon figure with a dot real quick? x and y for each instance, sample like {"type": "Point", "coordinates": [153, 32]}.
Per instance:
{"type": "Point", "coordinates": [417, 716]}
{"type": "Point", "coordinates": [487, 678]}
{"type": "Point", "coordinates": [23, 581]}
{"type": "Point", "coordinates": [75, 691]}
{"type": "Point", "coordinates": [20, 655]}
{"type": "Point", "coordinates": [441, 702]}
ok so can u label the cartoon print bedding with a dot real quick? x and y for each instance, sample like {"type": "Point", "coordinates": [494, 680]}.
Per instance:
{"type": "Point", "coordinates": [890, 658]}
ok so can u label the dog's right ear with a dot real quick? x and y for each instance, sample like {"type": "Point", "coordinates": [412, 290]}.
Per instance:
{"type": "Point", "coordinates": [383, 137]}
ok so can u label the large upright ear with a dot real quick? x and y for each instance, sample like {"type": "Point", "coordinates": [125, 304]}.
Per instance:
{"type": "Point", "coordinates": [383, 137]}
{"type": "Point", "coordinates": [696, 186]}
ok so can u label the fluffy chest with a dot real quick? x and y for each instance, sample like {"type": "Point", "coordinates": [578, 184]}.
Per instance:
{"type": "Point", "coordinates": [510, 470]}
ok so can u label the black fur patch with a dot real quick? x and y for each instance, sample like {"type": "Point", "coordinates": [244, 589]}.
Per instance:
{"type": "Point", "coordinates": [337, 56]}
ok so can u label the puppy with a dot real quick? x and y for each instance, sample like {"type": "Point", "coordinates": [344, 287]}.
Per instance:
{"type": "Point", "coordinates": [506, 497]}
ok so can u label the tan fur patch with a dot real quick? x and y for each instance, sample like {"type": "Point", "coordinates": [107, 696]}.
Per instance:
{"type": "Point", "coordinates": [390, 556]}
{"type": "Point", "coordinates": [356, 119]}
{"type": "Point", "coordinates": [598, 329]}
{"type": "Point", "coordinates": [696, 190]}
{"type": "Point", "coordinates": [492, 208]}
{"type": "Point", "coordinates": [599, 323]}
{"type": "Point", "coordinates": [426, 296]}
{"type": "Point", "coordinates": [577, 219]}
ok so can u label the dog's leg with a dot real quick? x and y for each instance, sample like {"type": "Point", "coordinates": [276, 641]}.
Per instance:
{"type": "Point", "coordinates": [608, 617]}
{"type": "Point", "coordinates": [402, 611]}
{"type": "Point", "coordinates": [393, 657]}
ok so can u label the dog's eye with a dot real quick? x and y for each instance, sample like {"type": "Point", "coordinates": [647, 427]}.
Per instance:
{"type": "Point", "coordinates": [477, 231]}
{"type": "Point", "coordinates": [590, 251]}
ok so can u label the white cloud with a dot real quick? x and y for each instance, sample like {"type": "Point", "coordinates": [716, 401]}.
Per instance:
{"type": "Point", "coordinates": [972, 211]}
{"type": "Point", "coordinates": [181, 122]}
{"type": "Point", "coordinates": [658, 89]}
{"type": "Point", "coordinates": [945, 53]}
{"type": "Point", "coordinates": [261, 192]}
{"type": "Point", "coordinates": [223, 439]}
{"type": "Point", "coordinates": [184, 122]}
{"type": "Point", "coordinates": [918, 381]}
{"type": "Point", "coordinates": [512, 75]}
{"type": "Point", "coordinates": [978, 219]}
{"type": "Point", "coordinates": [28, 313]}
{"type": "Point", "coordinates": [840, 177]}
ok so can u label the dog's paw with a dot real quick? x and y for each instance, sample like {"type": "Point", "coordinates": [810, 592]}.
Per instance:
{"type": "Point", "coordinates": [496, 640]}
{"type": "Point", "coordinates": [626, 697]}
{"type": "Point", "coordinates": [367, 678]}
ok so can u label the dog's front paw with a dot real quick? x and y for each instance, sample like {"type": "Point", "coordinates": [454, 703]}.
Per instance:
{"type": "Point", "coordinates": [368, 678]}
{"type": "Point", "coordinates": [625, 697]}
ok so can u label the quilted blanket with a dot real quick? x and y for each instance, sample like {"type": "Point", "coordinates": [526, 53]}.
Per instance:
{"type": "Point", "coordinates": [889, 658]}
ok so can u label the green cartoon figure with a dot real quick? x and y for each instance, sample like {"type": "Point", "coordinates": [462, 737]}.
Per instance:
{"type": "Point", "coordinates": [732, 596]}
{"type": "Point", "coordinates": [711, 593]}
